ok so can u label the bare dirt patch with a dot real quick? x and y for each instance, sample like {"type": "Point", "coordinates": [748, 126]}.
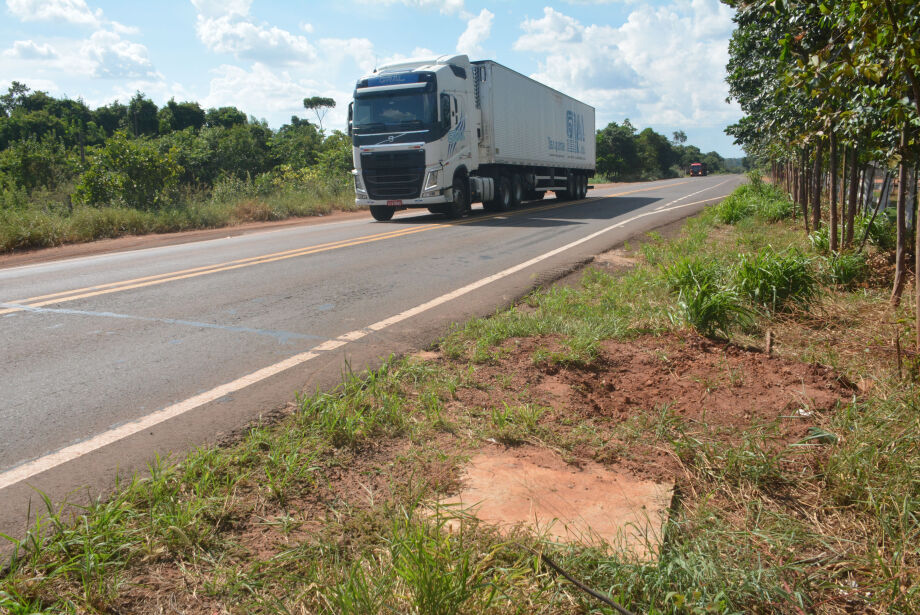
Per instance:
{"type": "Point", "coordinates": [586, 503]}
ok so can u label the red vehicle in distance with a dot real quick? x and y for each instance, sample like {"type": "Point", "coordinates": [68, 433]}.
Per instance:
{"type": "Point", "coordinates": [698, 168]}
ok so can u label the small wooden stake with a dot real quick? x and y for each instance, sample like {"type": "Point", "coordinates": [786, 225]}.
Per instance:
{"type": "Point", "coordinates": [769, 342]}
{"type": "Point", "coordinates": [897, 349]}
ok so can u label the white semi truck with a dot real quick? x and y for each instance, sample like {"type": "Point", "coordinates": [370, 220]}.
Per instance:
{"type": "Point", "coordinates": [443, 133]}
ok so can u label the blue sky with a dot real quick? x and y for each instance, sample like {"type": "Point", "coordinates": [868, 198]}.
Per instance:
{"type": "Point", "coordinates": [661, 64]}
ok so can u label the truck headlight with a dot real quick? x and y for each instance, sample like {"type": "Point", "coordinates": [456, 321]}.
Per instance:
{"type": "Point", "coordinates": [431, 183]}
{"type": "Point", "coordinates": [360, 190]}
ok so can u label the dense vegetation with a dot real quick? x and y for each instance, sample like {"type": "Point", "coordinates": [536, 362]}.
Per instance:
{"type": "Point", "coordinates": [831, 96]}
{"type": "Point", "coordinates": [333, 510]}
{"type": "Point", "coordinates": [623, 154]}
{"type": "Point", "coordinates": [71, 173]}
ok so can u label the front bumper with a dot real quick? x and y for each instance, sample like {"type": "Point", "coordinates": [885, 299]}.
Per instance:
{"type": "Point", "coordinates": [427, 201]}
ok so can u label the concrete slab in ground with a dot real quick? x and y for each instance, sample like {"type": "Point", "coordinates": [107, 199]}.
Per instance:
{"type": "Point", "coordinates": [588, 504]}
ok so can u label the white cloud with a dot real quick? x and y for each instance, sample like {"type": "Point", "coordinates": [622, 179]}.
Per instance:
{"type": "Point", "coordinates": [72, 11]}
{"type": "Point", "coordinates": [276, 93]}
{"type": "Point", "coordinates": [417, 52]}
{"type": "Point", "coordinates": [447, 7]}
{"type": "Point", "coordinates": [241, 37]}
{"type": "Point", "coordinates": [29, 50]}
{"type": "Point", "coordinates": [336, 52]}
{"type": "Point", "coordinates": [576, 57]}
{"type": "Point", "coordinates": [220, 8]}
{"type": "Point", "coordinates": [478, 30]}
{"type": "Point", "coordinates": [113, 57]}
{"type": "Point", "coordinates": [664, 66]}
{"type": "Point", "coordinates": [227, 27]}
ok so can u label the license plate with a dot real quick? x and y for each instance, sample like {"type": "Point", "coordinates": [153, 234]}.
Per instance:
{"type": "Point", "coordinates": [394, 203]}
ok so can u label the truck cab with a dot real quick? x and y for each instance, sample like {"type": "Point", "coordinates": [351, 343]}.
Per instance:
{"type": "Point", "coordinates": [413, 131]}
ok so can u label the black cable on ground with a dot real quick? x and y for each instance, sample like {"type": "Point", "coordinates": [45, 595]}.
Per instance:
{"type": "Point", "coordinates": [603, 598]}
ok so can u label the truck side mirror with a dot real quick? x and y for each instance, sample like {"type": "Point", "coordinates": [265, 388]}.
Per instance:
{"type": "Point", "coordinates": [351, 113]}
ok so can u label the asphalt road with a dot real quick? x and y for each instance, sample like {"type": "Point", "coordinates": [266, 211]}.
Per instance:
{"type": "Point", "coordinates": [110, 358]}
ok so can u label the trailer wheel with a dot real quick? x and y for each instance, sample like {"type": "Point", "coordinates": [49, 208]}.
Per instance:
{"type": "Point", "coordinates": [382, 213]}
{"type": "Point", "coordinates": [517, 190]}
{"type": "Point", "coordinates": [582, 181]}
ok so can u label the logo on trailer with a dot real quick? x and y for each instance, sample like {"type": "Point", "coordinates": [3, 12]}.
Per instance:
{"type": "Point", "coordinates": [575, 132]}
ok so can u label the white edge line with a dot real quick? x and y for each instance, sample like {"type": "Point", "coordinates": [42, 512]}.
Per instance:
{"type": "Point", "coordinates": [52, 460]}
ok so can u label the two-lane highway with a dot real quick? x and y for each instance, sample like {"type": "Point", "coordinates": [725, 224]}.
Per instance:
{"type": "Point", "coordinates": [106, 359]}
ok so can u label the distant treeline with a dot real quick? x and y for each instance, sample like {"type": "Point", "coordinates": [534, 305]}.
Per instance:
{"type": "Point", "coordinates": [72, 173]}
{"type": "Point", "coordinates": [623, 154]}
{"type": "Point", "coordinates": [144, 156]}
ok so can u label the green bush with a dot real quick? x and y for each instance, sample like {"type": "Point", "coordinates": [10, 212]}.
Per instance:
{"type": "Point", "coordinates": [711, 309]}
{"type": "Point", "coordinates": [882, 232]}
{"type": "Point", "coordinates": [772, 205]}
{"type": "Point", "coordinates": [688, 271]}
{"type": "Point", "coordinates": [736, 206]}
{"type": "Point", "coordinates": [845, 269]}
{"type": "Point", "coordinates": [820, 240]}
{"type": "Point", "coordinates": [776, 281]}
{"type": "Point", "coordinates": [131, 173]}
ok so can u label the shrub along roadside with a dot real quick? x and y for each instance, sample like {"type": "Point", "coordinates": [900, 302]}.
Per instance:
{"type": "Point", "coordinates": [826, 525]}
{"type": "Point", "coordinates": [22, 229]}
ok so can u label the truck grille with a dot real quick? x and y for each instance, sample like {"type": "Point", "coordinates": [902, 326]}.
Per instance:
{"type": "Point", "coordinates": [393, 175]}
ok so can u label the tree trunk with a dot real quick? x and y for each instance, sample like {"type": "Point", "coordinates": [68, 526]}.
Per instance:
{"type": "Point", "coordinates": [833, 190]}
{"type": "Point", "coordinates": [851, 205]}
{"type": "Point", "coordinates": [900, 255]}
{"type": "Point", "coordinates": [916, 271]}
{"type": "Point", "coordinates": [843, 192]}
{"type": "Point", "coordinates": [805, 189]}
{"type": "Point", "coordinates": [816, 179]}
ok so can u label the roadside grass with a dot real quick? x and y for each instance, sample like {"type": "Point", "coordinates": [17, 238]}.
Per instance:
{"type": "Point", "coordinates": [31, 226]}
{"type": "Point", "coordinates": [331, 509]}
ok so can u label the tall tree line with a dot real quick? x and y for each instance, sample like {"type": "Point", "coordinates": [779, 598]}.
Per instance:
{"type": "Point", "coordinates": [831, 96]}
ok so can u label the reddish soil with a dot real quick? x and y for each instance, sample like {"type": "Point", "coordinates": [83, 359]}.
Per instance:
{"type": "Point", "coordinates": [712, 390]}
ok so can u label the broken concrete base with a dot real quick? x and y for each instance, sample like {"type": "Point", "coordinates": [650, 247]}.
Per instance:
{"type": "Point", "coordinates": [587, 504]}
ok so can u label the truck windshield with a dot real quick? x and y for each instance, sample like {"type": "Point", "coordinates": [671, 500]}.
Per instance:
{"type": "Point", "coordinates": [391, 111]}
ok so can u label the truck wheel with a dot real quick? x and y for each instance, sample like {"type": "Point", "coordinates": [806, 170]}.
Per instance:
{"type": "Point", "coordinates": [461, 203]}
{"type": "Point", "coordinates": [382, 213]}
{"type": "Point", "coordinates": [517, 190]}
{"type": "Point", "coordinates": [502, 200]}
{"type": "Point", "coordinates": [582, 186]}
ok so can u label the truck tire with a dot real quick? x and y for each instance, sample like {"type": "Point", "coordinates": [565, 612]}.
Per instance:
{"type": "Point", "coordinates": [517, 190]}
{"type": "Point", "coordinates": [461, 203]}
{"type": "Point", "coordinates": [582, 186]}
{"type": "Point", "coordinates": [502, 200]}
{"type": "Point", "coordinates": [382, 213]}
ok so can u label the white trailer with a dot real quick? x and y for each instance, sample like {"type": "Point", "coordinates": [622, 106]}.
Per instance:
{"type": "Point", "coordinates": [443, 133]}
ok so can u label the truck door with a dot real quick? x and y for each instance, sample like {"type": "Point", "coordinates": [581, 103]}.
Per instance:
{"type": "Point", "coordinates": [458, 138]}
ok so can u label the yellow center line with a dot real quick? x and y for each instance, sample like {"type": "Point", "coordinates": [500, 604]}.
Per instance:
{"type": "Point", "coordinates": [131, 284]}
{"type": "Point", "coordinates": [184, 274]}
{"type": "Point", "coordinates": [252, 260]}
